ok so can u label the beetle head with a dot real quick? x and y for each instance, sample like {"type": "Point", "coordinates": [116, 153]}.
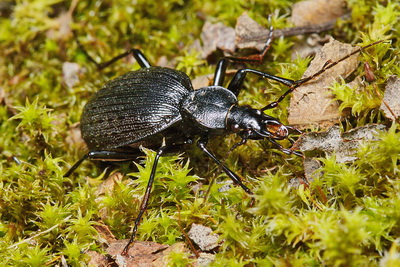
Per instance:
{"type": "Point", "coordinates": [254, 124]}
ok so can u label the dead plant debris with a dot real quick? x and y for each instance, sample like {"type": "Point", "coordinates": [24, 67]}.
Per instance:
{"type": "Point", "coordinates": [203, 237]}
{"type": "Point", "coordinates": [344, 145]}
{"type": "Point", "coordinates": [391, 101]}
{"type": "Point", "coordinates": [317, 11]}
{"type": "Point", "coordinates": [311, 103]}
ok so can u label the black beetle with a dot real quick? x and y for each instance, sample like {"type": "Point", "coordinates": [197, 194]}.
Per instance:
{"type": "Point", "coordinates": [158, 108]}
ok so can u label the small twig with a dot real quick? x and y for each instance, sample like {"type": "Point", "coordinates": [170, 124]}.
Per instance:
{"type": "Point", "coordinates": [207, 194]}
{"type": "Point", "coordinates": [314, 28]}
{"type": "Point", "coordinates": [72, 7]}
{"type": "Point", "coordinates": [260, 36]}
{"type": "Point", "coordinates": [32, 237]}
{"type": "Point", "coordinates": [185, 234]}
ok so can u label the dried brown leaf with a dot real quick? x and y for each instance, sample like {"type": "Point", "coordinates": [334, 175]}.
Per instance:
{"type": "Point", "coordinates": [205, 259]}
{"type": "Point", "coordinates": [144, 253]}
{"type": "Point", "coordinates": [317, 11]}
{"type": "Point", "coordinates": [97, 259]}
{"type": "Point", "coordinates": [391, 101]}
{"type": "Point", "coordinates": [139, 254]}
{"type": "Point", "coordinates": [312, 103]}
{"type": "Point", "coordinates": [310, 166]}
{"type": "Point", "coordinates": [217, 36]}
{"type": "Point", "coordinates": [104, 232]}
{"type": "Point", "coordinates": [250, 34]}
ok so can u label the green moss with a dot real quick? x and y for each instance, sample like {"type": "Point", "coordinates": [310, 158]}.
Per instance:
{"type": "Point", "coordinates": [347, 216]}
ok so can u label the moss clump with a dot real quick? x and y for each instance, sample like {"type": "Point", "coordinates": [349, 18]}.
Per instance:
{"type": "Point", "coordinates": [347, 216]}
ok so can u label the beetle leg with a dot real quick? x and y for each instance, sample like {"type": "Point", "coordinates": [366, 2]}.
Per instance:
{"type": "Point", "coordinates": [238, 79]}
{"type": "Point", "coordinates": [76, 165]}
{"type": "Point", "coordinates": [103, 155]}
{"type": "Point", "coordinates": [136, 53]}
{"type": "Point", "coordinates": [145, 200]}
{"type": "Point", "coordinates": [258, 58]}
{"type": "Point", "coordinates": [113, 155]}
{"type": "Point", "coordinates": [223, 62]}
{"type": "Point", "coordinates": [235, 178]}
{"type": "Point", "coordinates": [220, 71]}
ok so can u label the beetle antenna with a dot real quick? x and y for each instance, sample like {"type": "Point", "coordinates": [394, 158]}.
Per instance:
{"type": "Point", "coordinates": [329, 64]}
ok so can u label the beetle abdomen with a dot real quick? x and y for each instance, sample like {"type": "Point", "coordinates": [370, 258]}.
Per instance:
{"type": "Point", "coordinates": [134, 106]}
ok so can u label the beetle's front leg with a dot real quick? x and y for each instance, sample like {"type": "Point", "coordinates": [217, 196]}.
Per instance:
{"type": "Point", "coordinates": [238, 79]}
{"type": "Point", "coordinates": [287, 150]}
{"type": "Point", "coordinates": [202, 144]}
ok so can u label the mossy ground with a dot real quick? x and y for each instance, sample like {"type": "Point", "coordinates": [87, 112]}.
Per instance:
{"type": "Point", "coordinates": [350, 216]}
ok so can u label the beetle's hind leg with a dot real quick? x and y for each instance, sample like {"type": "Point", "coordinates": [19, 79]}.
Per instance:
{"type": "Point", "coordinates": [145, 200]}
{"type": "Point", "coordinates": [136, 53]}
{"type": "Point", "coordinates": [103, 155]}
{"type": "Point", "coordinates": [75, 166]}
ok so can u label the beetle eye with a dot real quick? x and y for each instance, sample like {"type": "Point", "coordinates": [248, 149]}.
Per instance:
{"type": "Point", "coordinates": [235, 128]}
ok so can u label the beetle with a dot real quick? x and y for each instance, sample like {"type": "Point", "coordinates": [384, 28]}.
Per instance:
{"type": "Point", "coordinates": [158, 108]}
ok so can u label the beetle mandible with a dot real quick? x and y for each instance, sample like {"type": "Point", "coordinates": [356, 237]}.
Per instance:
{"type": "Point", "coordinates": [158, 108]}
